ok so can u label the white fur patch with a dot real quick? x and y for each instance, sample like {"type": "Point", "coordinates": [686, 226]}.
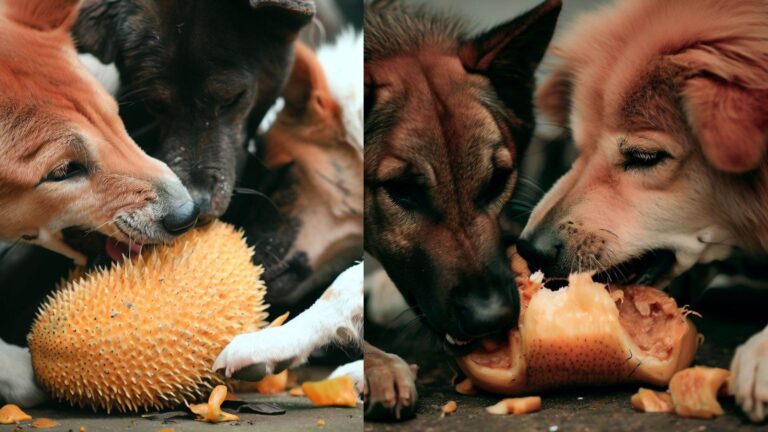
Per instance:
{"type": "Point", "coordinates": [17, 379]}
{"type": "Point", "coordinates": [106, 74]}
{"type": "Point", "coordinates": [749, 376]}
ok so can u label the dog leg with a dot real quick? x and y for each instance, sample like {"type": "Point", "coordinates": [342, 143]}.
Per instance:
{"type": "Point", "coordinates": [17, 379]}
{"type": "Point", "coordinates": [336, 317]}
{"type": "Point", "coordinates": [55, 242]}
{"type": "Point", "coordinates": [749, 376]}
{"type": "Point", "coordinates": [390, 386]}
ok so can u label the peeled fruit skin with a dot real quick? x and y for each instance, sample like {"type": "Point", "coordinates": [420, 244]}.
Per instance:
{"type": "Point", "coordinates": [646, 400]}
{"type": "Point", "coordinates": [13, 414]}
{"type": "Point", "coordinates": [339, 391]}
{"type": "Point", "coordinates": [694, 391]}
{"type": "Point", "coordinates": [211, 412]}
{"type": "Point", "coordinates": [523, 405]}
{"type": "Point", "coordinates": [574, 336]}
{"type": "Point", "coordinates": [145, 332]}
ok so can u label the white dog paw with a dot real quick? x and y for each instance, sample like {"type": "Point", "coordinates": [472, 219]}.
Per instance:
{"type": "Point", "coordinates": [749, 376]}
{"type": "Point", "coordinates": [355, 370]}
{"type": "Point", "coordinates": [17, 383]}
{"type": "Point", "coordinates": [252, 356]}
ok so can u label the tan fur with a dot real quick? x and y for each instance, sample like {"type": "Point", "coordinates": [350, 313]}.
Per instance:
{"type": "Point", "coordinates": [53, 112]}
{"type": "Point", "coordinates": [689, 77]}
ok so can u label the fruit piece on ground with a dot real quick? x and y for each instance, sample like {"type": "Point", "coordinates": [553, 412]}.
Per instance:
{"type": "Point", "coordinates": [521, 405]}
{"type": "Point", "coordinates": [694, 391]}
{"type": "Point", "coordinates": [320, 422]}
{"type": "Point", "coordinates": [13, 414]}
{"type": "Point", "coordinates": [273, 384]}
{"type": "Point", "coordinates": [466, 388]}
{"type": "Point", "coordinates": [339, 391]}
{"type": "Point", "coordinates": [44, 423]}
{"type": "Point", "coordinates": [211, 412]}
{"type": "Point", "coordinates": [449, 408]}
{"type": "Point", "coordinates": [646, 400]}
{"type": "Point", "coordinates": [296, 392]}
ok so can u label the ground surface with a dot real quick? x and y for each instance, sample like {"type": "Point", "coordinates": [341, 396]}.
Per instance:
{"type": "Point", "coordinates": [724, 326]}
{"type": "Point", "coordinates": [300, 415]}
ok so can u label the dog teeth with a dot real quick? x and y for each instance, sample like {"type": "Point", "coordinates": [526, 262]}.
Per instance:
{"type": "Point", "coordinates": [453, 341]}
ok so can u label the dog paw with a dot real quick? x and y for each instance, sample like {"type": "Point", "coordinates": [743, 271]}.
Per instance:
{"type": "Point", "coordinates": [355, 370]}
{"type": "Point", "coordinates": [17, 383]}
{"type": "Point", "coordinates": [252, 356]}
{"type": "Point", "coordinates": [749, 376]}
{"type": "Point", "coordinates": [389, 392]}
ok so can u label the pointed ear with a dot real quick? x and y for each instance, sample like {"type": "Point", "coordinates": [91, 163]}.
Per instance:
{"type": "Point", "coordinates": [553, 95]}
{"type": "Point", "coordinates": [297, 13]}
{"type": "Point", "coordinates": [307, 89]}
{"type": "Point", "coordinates": [726, 105]}
{"type": "Point", "coordinates": [514, 49]}
{"type": "Point", "coordinates": [45, 15]}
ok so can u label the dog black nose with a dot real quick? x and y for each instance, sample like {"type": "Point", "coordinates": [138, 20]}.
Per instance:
{"type": "Point", "coordinates": [541, 250]}
{"type": "Point", "coordinates": [182, 218]}
{"type": "Point", "coordinates": [203, 202]}
{"type": "Point", "coordinates": [482, 311]}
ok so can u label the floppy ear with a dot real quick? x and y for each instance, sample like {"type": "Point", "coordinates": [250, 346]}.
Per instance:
{"type": "Point", "coordinates": [45, 15]}
{"type": "Point", "coordinates": [307, 89]}
{"type": "Point", "coordinates": [96, 31]}
{"type": "Point", "coordinates": [297, 12]}
{"type": "Point", "coordinates": [553, 95]}
{"type": "Point", "coordinates": [726, 104]}
{"type": "Point", "coordinates": [513, 50]}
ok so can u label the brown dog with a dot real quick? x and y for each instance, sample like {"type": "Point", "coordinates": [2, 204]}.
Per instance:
{"type": "Point", "coordinates": [668, 105]}
{"type": "Point", "coordinates": [447, 119]}
{"type": "Point", "coordinates": [67, 159]}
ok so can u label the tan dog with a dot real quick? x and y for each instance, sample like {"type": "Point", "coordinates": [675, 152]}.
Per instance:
{"type": "Point", "coordinates": [67, 159]}
{"type": "Point", "coordinates": [667, 102]}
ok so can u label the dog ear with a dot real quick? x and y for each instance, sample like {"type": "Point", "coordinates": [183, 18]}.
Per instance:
{"type": "Point", "coordinates": [553, 95]}
{"type": "Point", "coordinates": [96, 29]}
{"type": "Point", "coordinates": [45, 15]}
{"type": "Point", "coordinates": [513, 50]}
{"type": "Point", "coordinates": [298, 12]}
{"type": "Point", "coordinates": [307, 89]}
{"type": "Point", "coordinates": [726, 104]}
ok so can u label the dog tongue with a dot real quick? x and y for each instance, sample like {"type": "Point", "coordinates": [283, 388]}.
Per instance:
{"type": "Point", "coordinates": [116, 249]}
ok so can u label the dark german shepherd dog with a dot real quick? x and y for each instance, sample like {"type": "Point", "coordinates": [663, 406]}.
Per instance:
{"type": "Point", "coordinates": [447, 118]}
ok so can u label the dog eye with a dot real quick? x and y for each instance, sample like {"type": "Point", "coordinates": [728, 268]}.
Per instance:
{"type": "Point", "coordinates": [495, 187]}
{"type": "Point", "coordinates": [66, 171]}
{"type": "Point", "coordinates": [406, 194]}
{"type": "Point", "coordinates": [643, 159]}
{"type": "Point", "coordinates": [233, 101]}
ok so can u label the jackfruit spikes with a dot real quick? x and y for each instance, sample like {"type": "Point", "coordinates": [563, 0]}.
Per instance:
{"type": "Point", "coordinates": [144, 333]}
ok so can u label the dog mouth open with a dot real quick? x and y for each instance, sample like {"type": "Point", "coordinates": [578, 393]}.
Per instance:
{"type": "Point", "coordinates": [101, 250]}
{"type": "Point", "coordinates": [646, 269]}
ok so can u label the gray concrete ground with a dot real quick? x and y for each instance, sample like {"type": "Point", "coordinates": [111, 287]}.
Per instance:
{"type": "Point", "coordinates": [300, 415]}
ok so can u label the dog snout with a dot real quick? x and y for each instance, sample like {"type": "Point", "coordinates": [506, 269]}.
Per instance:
{"type": "Point", "coordinates": [202, 199]}
{"type": "Point", "coordinates": [181, 218]}
{"type": "Point", "coordinates": [542, 249]}
{"type": "Point", "coordinates": [484, 311]}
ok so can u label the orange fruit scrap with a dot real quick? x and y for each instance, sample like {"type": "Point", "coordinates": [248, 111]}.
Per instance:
{"type": "Point", "coordinates": [44, 423]}
{"type": "Point", "coordinates": [466, 388]}
{"type": "Point", "coordinates": [521, 405]}
{"type": "Point", "coordinates": [339, 391]}
{"type": "Point", "coordinates": [296, 392]}
{"type": "Point", "coordinates": [13, 414]}
{"type": "Point", "coordinates": [449, 408]}
{"type": "Point", "coordinates": [695, 390]}
{"type": "Point", "coordinates": [320, 422]}
{"type": "Point", "coordinates": [211, 412]}
{"type": "Point", "coordinates": [652, 401]}
{"type": "Point", "coordinates": [273, 384]}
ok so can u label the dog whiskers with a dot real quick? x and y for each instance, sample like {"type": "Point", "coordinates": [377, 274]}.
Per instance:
{"type": "Point", "coordinates": [254, 192]}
